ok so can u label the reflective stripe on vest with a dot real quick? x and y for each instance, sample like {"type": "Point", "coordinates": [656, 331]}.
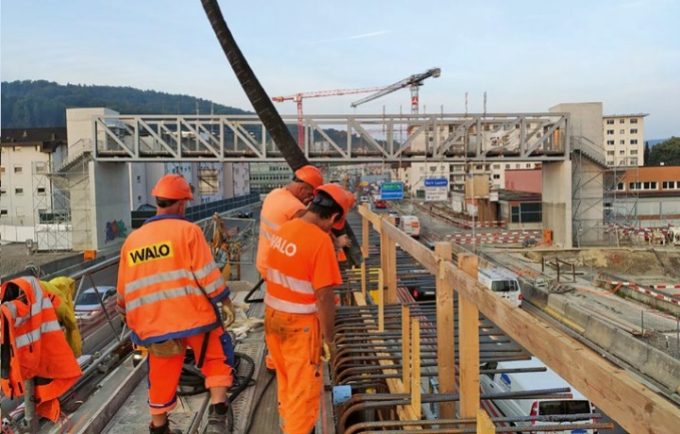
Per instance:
{"type": "Point", "coordinates": [33, 336]}
{"type": "Point", "coordinates": [291, 283]}
{"type": "Point", "coordinates": [287, 306]}
{"type": "Point", "coordinates": [168, 276]}
{"type": "Point", "coordinates": [164, 294]}
{"type": "Point", "coordinates": [269, 223]}
{"type": "Point", "coordinates": [41, 302]}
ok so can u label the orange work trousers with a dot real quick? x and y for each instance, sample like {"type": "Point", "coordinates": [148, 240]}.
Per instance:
{"type": "Point", "coordinates": [294, 342]}
{"type": "Point", "coordinates": [164, 372]}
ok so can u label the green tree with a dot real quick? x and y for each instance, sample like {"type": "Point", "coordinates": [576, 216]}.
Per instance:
{"type": "Point", "coordinates": [646, 154]}
{"type": "Point", "coordinates": [667, 153]}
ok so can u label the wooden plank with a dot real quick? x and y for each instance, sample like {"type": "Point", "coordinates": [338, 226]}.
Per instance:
{"type": "Point", "coordinates": [406, 346]}
{"type": "Point", "coordinates": [413, 247]}
{"type": "Point", "coordinates": [364, 234]}
{"type": "Point", "coordinates": [415, 368]}
{"type": "Point", "coordinates": [445, 332]}
{"type": "Point", "coordinates": [393, 384]}
{"type": "Point", "coordinates": [613, 390]}
{"type": "Point", "coordinates": [363, 278]}
{"type": "Point", "coordinates": [381, 302]}
{"type": "Point", "coordinates": [371, 216]}
{"type": "Point", "coordinates": [484, 424]}
{"type": "Point", "coordinates": [388, 263]}
{"type": "Point", "coordinates": [468, 334]}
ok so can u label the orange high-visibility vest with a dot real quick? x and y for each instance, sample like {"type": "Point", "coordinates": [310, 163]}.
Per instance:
{"type": "Point", "coordinates": [302, 260]}
{"type": "Point", "coordinates": [165, 268]}
{"type": "Point", "coordinates": [278, 207]}
{"type": "Point", "coordinates": [38, 347]}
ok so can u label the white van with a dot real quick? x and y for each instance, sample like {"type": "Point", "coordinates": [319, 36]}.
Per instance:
{"type": "Point", "coordinates": [410, 224]}
{"type": "Point", "coordinates": [501, 282]}
{"type": "Point", "coordinates": [498, 383]}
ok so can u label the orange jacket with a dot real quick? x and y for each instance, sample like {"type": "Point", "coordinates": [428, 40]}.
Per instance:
{"type": "Point", "coordinates": [165, 268]}
{"type": "Point", "coordinates": [278, 207]}
{"type": "Point", "coordinates": [302, 260]}
{"type": "Point", "coordinates": [38, 347]}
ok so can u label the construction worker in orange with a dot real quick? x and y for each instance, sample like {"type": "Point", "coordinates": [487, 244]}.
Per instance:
{"type": "Point", "coordinates": [34, 346]}
{"type": "Point", "coordinates": [173, 296]}
{"type": "Point", "coordinates": [302, 271]}
{"type": "Point", "coordinates": [281, 205]}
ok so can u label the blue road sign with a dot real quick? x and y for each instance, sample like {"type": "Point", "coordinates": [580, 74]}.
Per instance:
{"type": "Point", "coordinates": [436, 182]}
{"type": "Point", "coordinates": [392, 191]}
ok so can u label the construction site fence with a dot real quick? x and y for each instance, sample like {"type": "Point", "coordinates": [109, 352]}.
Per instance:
{"type": "Point", "coordinates": [202, 211]}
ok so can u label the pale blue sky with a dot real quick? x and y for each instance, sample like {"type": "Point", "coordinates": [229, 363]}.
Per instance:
{"type": "Point", "coordinates": [528, 55]}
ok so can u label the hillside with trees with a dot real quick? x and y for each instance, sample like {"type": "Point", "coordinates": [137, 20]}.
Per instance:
{"type": "Point", "coordinates": [31, 104]}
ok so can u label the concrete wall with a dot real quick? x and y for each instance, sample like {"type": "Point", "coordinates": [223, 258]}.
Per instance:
{"type": "Point", "coordinates": [20, 207]}
{"type": "Point", "coordinates": [585, 120]}
{"type": "Point", "coordinates": [557, 206]}
{"type": "Point", "coordinates": [79, 123]}
{"type": "Point", "coordinates": [17, 233]}
{"type": "Point", "coordinates": [111, 203]}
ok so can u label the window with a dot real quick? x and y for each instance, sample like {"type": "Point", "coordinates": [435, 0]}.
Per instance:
{"type": "Point", "coordinates": [40, 167]}
{"type": "Point", "coordinates": [619, 186]}
{"type": "Point", "coordinates": [610, 132]}
{"type": "Point", "coordinates": [610, 142]}
{"type": "Point", "coordinates": [633, 142]}
{"type": "Point", "coordinates": [649, 185]}
{"type": "Point", "coordinates": [18, 191]}
{"type": "Point", "coordinates": [496, 166]}
{"type": "Point", "coordinates": [622, 131]}
{"type": "Point", "coordinates": [653, 185]}
{"type": "Point", "coordinates": [634, 186]}
{"type": "Point", "coordinates": [516, 165]}
{"type": "Point", "coordinates": [622, 142]}
{"type": "Point", "coordinates": [41, 191]}
{"type": "Point", "coordinates": [507, 166]}
{"type": "Point", "coordinates": [139, 179]}
{"type": "Point", "coordinates": [622, 152]}
{"type": "Point", "coordinates": [528, 165]}
{"type": "Point", "coordinates": [633, 130]}
{"type": "Point", "coordinates": [633, 121]}
{"type": "Point", "coordinates": [668, 185]}
{"type": "Point", "coordinates": [610, 153]}
{"type": "Point", "coordinates": [2, 169]}
{"type": "Point", "coordinates": [610, 162]}
{"type": "Point", "coordinates": [3, 212]}
{"type": "Point", "coordinates": [18, 169]}
{"type": "Point", "coordinates": [610, 121]}
{"type": "Point", "coordinates": [622, 121]}
{"type": "Point", "coordinates": [496, 176]}
{"type": "Point", "coordinates": [634, 161]}
{"type": "Point", "coordinates": [633, 152]}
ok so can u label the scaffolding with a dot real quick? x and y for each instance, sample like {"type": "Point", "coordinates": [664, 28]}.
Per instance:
{"type": "Point", "coordinates": [62, 201]}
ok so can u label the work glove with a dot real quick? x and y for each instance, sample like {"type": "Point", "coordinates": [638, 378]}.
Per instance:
{"type": "Point", "coordinates": [227, 311]}
{"type": "Point", "coordinates": [327, 352]}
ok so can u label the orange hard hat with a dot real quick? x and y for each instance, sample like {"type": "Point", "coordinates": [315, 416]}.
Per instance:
{"type": "Point", "coordinates": [310, 174]}
{"type": "Point", "coordinates": [340, 196]}
{"type": "Point", "coordinates": [172, 186]}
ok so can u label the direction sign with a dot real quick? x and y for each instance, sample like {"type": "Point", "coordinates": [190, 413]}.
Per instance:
{"type": "Point", "coordinates": [436, 189]}
{"type": "Point", "coordinates": [392, 191]}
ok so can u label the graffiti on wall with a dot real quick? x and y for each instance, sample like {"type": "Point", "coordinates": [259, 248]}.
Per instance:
{"type": "Point", "coordinates": [115, 229]}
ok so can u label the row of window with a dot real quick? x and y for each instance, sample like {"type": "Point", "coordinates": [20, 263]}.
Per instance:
{"type": "Point", "coordinates": [632, 131]}
{"type": "Point", "coordinates": [649, 185]}
{"type": "Point", "coordinates": [632, 161]}
{"type": "Point", "coordinates": [39, 168]}
{"type": "Point", "coordinates": [622, 121]}
{"type": "Point", "coordinates": [20, 191]}
{"type": "Point", "coordinates": [623, 152]}
{"type": "Point", "coordinates": [623, 142]}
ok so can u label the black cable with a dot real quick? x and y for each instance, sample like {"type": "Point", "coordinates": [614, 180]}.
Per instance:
{"type": "Point", "coordinates": [252, 291]}
{"type": "Point", "coordinates": [258, 401]}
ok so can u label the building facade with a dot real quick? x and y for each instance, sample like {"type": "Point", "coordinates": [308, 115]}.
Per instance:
{"type": "Point", "coordinates": [624, 142]}
{"type": "Point", "coordinates": [264, 177]}
{"type": "Point", "coordinates": [27, 157]}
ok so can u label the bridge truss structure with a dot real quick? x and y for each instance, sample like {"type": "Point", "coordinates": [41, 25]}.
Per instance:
{"type": "Point", "coordinates": [335, 138]}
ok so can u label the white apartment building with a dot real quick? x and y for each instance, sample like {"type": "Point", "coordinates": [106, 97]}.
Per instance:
{"type": "Point", "coordinates": [26, 158]}
{"type": "Point", "coordinates": [624, 143]}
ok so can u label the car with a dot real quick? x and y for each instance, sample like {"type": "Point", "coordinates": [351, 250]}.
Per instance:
{"type": "Point", "coordinates": [380, 204]}
{"type": "Point", "coordinates": [395, 216]}
{"type": "Point", "coordinates": [88, 302]}
{"type": "Point", "coordinates": [364, 199]}
{"type": "Point", "coordinates": [411, 225]}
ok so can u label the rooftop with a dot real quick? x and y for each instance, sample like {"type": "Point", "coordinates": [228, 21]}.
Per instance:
{"type": "Point", "coordinates": [628, 115]}
{"type": "Point", "coordinates": [653, 173]}
{"type": "Point", "coordinates": [47, 138]}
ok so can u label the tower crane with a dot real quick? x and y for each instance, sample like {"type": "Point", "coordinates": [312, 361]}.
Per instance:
{"type": "Point", "coordinates": [298, 97]}
{"type": "Point", "coordinates": [414, 81]}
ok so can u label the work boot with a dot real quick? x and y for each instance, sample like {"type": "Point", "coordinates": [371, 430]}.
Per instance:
{"type": "Point", "coordinates": [217, 419]}
{"type": "Point", "coordinates": [164, 429]}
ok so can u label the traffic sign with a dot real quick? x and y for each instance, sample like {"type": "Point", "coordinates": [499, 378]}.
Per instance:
{"type": "Point", "coordinates": [392, 190]}
{"type": "Point", "coordinates": [436, 189]}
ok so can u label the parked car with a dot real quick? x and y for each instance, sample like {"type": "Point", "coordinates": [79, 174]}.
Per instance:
{"type": "Point", "coordinates": [88, 302]}
{"type": "Point", "coordinates": [380, 204]}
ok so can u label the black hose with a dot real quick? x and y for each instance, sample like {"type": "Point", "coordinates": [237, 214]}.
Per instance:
{"type": "Point", "coordinates": [193, 379]}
